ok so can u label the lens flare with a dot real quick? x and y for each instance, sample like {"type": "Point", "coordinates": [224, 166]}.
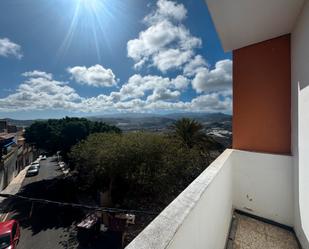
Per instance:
{"type": "Point", "coordinates": [91, 5]}
{"type": "Point", "coordinates": [87, 18]}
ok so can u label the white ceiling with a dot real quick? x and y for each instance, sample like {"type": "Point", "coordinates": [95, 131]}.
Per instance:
{"type": "Point", "coordinates": [240, 23]}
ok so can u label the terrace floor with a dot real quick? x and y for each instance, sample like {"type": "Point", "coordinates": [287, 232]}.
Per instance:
{"type": "Point", "coordinates": [250, 233]}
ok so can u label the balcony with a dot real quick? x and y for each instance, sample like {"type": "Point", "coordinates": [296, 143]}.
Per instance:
{"type": "Point", "coordinates": [203, 215]}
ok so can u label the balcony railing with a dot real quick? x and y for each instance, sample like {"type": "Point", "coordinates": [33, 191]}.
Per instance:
{"type": "Point", "coordinates": [200, 217]}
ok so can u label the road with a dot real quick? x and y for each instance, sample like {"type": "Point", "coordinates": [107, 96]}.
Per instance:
{"type": "Point", "coordinates": [47, 226]}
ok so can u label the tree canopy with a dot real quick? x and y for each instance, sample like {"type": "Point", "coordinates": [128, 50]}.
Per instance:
{"type": "Point", "coordinates": [129, 166]}
{"type": "Point", "coordinates": [147, 164]}
{"type": "Point", "coordinates": [61, 134]}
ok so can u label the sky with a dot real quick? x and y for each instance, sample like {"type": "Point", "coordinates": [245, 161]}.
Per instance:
{"type": "Point", "coordinates": [94, 57]}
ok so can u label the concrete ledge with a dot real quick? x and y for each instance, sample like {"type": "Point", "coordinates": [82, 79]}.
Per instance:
{"type": "Point", "coordinates": [161, 232]}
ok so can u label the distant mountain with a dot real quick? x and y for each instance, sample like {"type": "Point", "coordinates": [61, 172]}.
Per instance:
{"type": "Point", "coordinates": [124, 115]}
{"type": "Point", "coordinates": [202, 117]}
{"type": "Point", "coordinates": [174, 116]}
{"type": "Point", "coordinates": [148, 121]}
{"type": "Point", "coordinates": [157, 122]}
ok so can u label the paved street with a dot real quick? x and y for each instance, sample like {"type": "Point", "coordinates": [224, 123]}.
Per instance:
{"type": "Point", "coordinates": [46, 226]}
{"type": "Point", "coordinates": [49, 227]}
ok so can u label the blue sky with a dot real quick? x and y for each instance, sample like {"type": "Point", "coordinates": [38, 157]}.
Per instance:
{"type": "Point", "coordinates": [90, 57]}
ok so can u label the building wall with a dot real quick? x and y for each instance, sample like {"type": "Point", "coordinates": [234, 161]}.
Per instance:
{"type": "Point", "coordinates": [3, 125]}
{"type": "Point", "coordinates": [12, 129]}
{"type": "Point", "coordinates": [300, 123]}
{"type": "Point", "coordinates": [261, 97]}
{"type": "Point", "coordinates": [2, 175]}
{"type": "Point", "coordinates": [8, 169]}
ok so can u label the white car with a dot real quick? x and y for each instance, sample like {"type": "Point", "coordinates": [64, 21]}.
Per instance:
{"type": "Point", "coordinates": [32, 171]}
{"type": "Point", "coordinates": [44, 157]}
{"type": "Point", "coordinates": [35, 164]}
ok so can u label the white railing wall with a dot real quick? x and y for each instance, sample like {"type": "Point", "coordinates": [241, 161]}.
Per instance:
{"type": "Point", "coordinates": [199, 218]}
{"type": "Point", "coordinates": [300, 122]}
{"type": "Point", "coordinates": [263, 185]}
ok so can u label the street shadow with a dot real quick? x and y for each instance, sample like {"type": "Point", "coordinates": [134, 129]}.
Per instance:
{"type": "Point", "coordinates": [54, 159]}
{"type": "Point", "coordinates": [42, 216]}
{"type": "Point", "coordinates": [106, 240]}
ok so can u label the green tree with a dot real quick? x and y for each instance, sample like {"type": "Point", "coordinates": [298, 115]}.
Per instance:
{"type": "Point", "coordinates": [189, 131]}
{"type": "Point", "coordinates": [134, 165]}
{"type": "Point", "coordinates": [61, 134]}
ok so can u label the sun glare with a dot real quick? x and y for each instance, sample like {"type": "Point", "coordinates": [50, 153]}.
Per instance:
{"type": "Point", "coordinates": [89, 14]}
{"type": "Point", "coordinates": [92, 5]}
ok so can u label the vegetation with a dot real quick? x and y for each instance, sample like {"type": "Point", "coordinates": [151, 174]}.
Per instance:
{"type": "Point", "coordinates": [190, 133]}
{"type": "Point", "coordinates": [143, 166]}
{"type": "Point", "coordinates": [146, 164]}
{"type": "Point", "coordinates": [61, 134]}
{"type": "Point", "coordinates": [129, 168]}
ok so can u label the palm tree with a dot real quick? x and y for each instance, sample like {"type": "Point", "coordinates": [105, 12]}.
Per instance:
{"type": "Point", "coordinates": [189, 131]}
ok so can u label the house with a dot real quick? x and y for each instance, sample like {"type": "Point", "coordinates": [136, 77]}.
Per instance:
{"type": "Point", "coordinates": [12, 129]}
{"type": "Point", "coordinates": [266, 174]}
{"type": "Point", "coordinates": [8, 159]}
{"type": "Point", "coordinates": [3, 126]}
{"type": "Point", "coordinates": [15, 154]}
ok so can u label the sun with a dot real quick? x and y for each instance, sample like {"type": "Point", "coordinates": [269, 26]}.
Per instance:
{"type": "Point", "coordinates": [88, 18]}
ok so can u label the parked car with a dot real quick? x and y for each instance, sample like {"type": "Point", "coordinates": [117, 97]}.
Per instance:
{"type": "Point", "coordinates": [44, 157]}
{"type": "Point", "coordinates": [9, 234]}
{"type": "Point", "coordinates": [32, 171]}
{"type": "Point", "coordinates": [36, 164]}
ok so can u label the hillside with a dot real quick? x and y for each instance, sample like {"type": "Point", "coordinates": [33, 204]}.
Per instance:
{"type": "Point", "coordinates": [218, 125]}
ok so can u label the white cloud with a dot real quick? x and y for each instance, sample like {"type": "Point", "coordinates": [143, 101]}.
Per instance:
{"type": "Point", "coordinates": [211, 103]}
{"type": "Point", "coordinates": [195, 65]}
{"type": "Point", "coordinates": [171, 58]}
{"type": "Point", "coordinates": [96, 76]}
{"type": "Point", "coordinates": [167, 9]}
{"type": "Point", "coordinates": [9, 48]}
{"type": "Point", "coordinates": [40, 93]}
{"type": "Point", "coordinates": [163, 94]}
{"type": "Point", "coordinates": [163, 102]}
{"type": "Point", "coordinates": [154, 39]}
{"type": "Point", "coordinates": [180, 82]}
{"type": "Point", "coordinates": [138, 86]}
{"type": "Point", "coordinates": [140, 94]}
{"type": "Point", "coordinates": [165, 44]}
{"type": "Point", "coordinates": [217, 79]}
{"type": "Point", "coordinates": [37, 73]}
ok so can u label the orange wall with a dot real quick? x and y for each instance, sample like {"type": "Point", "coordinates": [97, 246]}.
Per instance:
{"type": "Point", "coordinates": [262, 97]}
